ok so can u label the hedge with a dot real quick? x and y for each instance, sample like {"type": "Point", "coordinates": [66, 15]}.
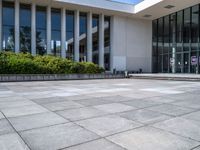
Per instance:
{"type": "Point", "coordinates": [25, 63]}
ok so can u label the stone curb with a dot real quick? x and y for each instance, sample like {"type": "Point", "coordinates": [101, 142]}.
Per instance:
{"type": "Point", "coordinates": [53, 77]}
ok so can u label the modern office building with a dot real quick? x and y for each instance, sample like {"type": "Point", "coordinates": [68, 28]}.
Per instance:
{"type": "Point", "coordinates": [154, 35]}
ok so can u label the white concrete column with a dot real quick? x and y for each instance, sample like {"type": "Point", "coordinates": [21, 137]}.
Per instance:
{"type": "Point", "coordinates": [49, 30]}
{"type": "Point", "coordinates": [111, 43]}
{"type": "Point", "coordinates": [101, 40]}
{"type": "Point", "coordinates": [89, 37]}
{"type": "Point", "coordinates": [1, 26]}
{"type": "Point", "coordinates": [63, 33]}
{"type": "Point", "coordinates": [76, 36]}
{"type": "Point", "coordinates": [33, 29]}
{"type": "Point", "coordinates": [17, 33]}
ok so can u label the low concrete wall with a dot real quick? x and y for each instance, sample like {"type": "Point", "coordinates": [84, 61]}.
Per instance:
{"type": "Point", "coordinates": [53, 77]}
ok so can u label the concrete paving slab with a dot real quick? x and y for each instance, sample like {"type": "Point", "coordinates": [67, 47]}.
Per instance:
{"type": "Point", "coordinates": [16, 103]}
{"type": "Point", "coordinates": [36, 121]}
{"type": "Point", "coordinates": [114, 107]}
{"type": "Point", "coordinates": [141, 103]}
{"type": "Point", "coordinates": [115, 98]}
{"type": "Point", "coordinates": [197, 148]}
{"type": "Point", "coordinates": [12, 142]}
{"type": "Point", "coordinates": [44, 130]}
{"type": "Point", "coordinates": [144, 116]}
{"type": "Point", "coordinates": [108, 125]}
{"type": "Point", "coordinates": [181, 126]}
{"type": "Point", "coordinates": [93, 102]}
{"type": "Point", "coordinates": [57, 137]}
{"type": "Point", "coordinates": [24, 110]}
{"type": "Point", "coordinates": [5, 127]}
{"type": "Point", "coordinates": [193, 116]}
{"type": "Point", "coordinates": [191, 103]}
{"type": "Point", "coordinates": [161, 99]}
{"type": "Point", "coordinates": [49, 100]}
{"type": "Point", "coordinates": [13, 98]}
{"type": "Point", "coordinates": [1, 116]}
{"type": "Point", "coordinates": [96, 145]}
{"type": "Point", "coordinates": [171, 109]}
{"type": "Point", "coordinates": [185, 96]}
{"type": "Point", "coordinates": [81, 113]}
{"type": "Point", "coordinates": [62, 105]}
{"type": "Point", "coordinates": [149, 138]}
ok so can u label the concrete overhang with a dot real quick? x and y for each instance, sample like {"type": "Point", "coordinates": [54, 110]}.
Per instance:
{"type": "Point", "coordinates": [147, 9]}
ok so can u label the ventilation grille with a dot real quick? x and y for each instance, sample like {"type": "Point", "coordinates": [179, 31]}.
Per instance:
{"type": "Point", "coordinates": [169, 6]}
{"type": "Point", "coordinates": [147, 16]}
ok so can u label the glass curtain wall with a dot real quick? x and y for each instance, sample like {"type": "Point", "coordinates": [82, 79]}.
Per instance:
{"type": "Point", "coordinates": [176, 42]}
{"type": "Point", "coordinates": [107, 43]}
{"type": "Point", "coordinates": [25, 28]}
{"type": "Point", "coordinates": [154, 46]}
{"type": "Point", "coordinates": [70, 35]}
{"type": "Point", "coordinates": [41, 40]}
{"type": "Point", "coordinates": [83, 37]}
{"type": "Point", "coordinates": [8, 22]}
{"type": "Point", "coordinates": [56, 32]}
{"type": "Point", "coordinates": [95, 39]}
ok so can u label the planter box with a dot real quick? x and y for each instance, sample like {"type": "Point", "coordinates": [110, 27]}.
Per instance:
{"type": "Point", "coordinates": [53, 77]}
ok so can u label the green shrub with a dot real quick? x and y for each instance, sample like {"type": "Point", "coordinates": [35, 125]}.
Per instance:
{"type": "Point", "coordinates": [24, 63]}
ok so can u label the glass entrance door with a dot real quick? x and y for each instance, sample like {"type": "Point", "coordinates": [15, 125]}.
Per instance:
{"type": "Point", "coordinates": [186, 63]}
{"type": "Point", "coordinates": [178, 63]}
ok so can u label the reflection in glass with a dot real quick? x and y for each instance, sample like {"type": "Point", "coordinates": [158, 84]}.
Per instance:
{"type": "Point", "coordinates": [8, 26]}
{"type": "Point", "coordinates": [70, 35]}
{"type": "Point", "coordinates": [195, 28]}
{"type": "Point", "coordinates": [95, 39]}
{"type": "Point", "coordinates": [186, 30]}
{"type": "Point", "coordinates": [160, 36]}
{"type": "Point", "coordinates": [25, 28]}
{"type": "Point", "coordinates": [166, 35]}
{"type": "Point", "coordinates": [182, 55]}
{"type": "Point", "coordinates": [178, 63]}
{"type": "Point", "coordinates": [179, 33]}
{"type": "Point", "coordinates": [83, 37]}
{"type": "Point", "coordinates": [154, 49]}
{"type": "Point", "coordinates": [41, 46]}
{"type": "Point", "coordinates": [56, 32]}
{"type": "Point", "coordinates": [107, 43]}
{"type": "Point", "coordinates": [186, 62]}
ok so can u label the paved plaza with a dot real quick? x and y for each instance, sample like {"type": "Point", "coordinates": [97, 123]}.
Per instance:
{"type": "Point", "coordinates": [121, 114]}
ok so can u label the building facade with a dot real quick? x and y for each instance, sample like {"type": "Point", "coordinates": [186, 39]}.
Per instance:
{"type": "Point", "coordinates": [176, 45]}
{"type": "Point", "coordinates": [111, 34]}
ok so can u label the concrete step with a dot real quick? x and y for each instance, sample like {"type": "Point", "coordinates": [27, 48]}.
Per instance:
{"type": "Point", "coordinates": [176, 77]}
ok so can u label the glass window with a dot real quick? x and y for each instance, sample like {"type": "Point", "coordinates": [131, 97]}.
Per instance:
{"type": "Point", "coordinates": [165, 63]}
{"type": "Point", "coordinates": [56, 32]}
{"type": "Point", "coordinates": [166, 35]}
{"type": "Point", "coordinates": [155, 52]}
{"type": "Point", "coordinates": [25, 28]}
{"type": "Point", "coordinates": [70, 35]}
{"type": "Point", "coordinates": [172, 32]}
{"type": "Point", "coordinates": [195, 28]}
{"type": "Point", "coordinates": [41, 46]}
{"type": "Point", "coordinates": [178, 63]}
{"type": "Point", "coordinates": [160, 36]}
{"type": "Point", "coordinates": [83, 37]}
{"type": "Point", "coordinates": [95, 39]}
{"type": "Point", "coordinates": [186, 62]}
{"type": "Point", "coordinates": [176, 42]}
{"type": "Point", "coordinates": [179, 33]}
{"type": "Point", "coordinates": [194, 62]}
{"type": "Point", "coordinates": [107, 42]}
{"type": "Point", "coordinates": [8, 22]}
{"type": "Point", "coordinates": [186, 30]}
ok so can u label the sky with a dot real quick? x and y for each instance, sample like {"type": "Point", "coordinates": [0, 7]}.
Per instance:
{"type": "Point", "coordinates": [129, 1]}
